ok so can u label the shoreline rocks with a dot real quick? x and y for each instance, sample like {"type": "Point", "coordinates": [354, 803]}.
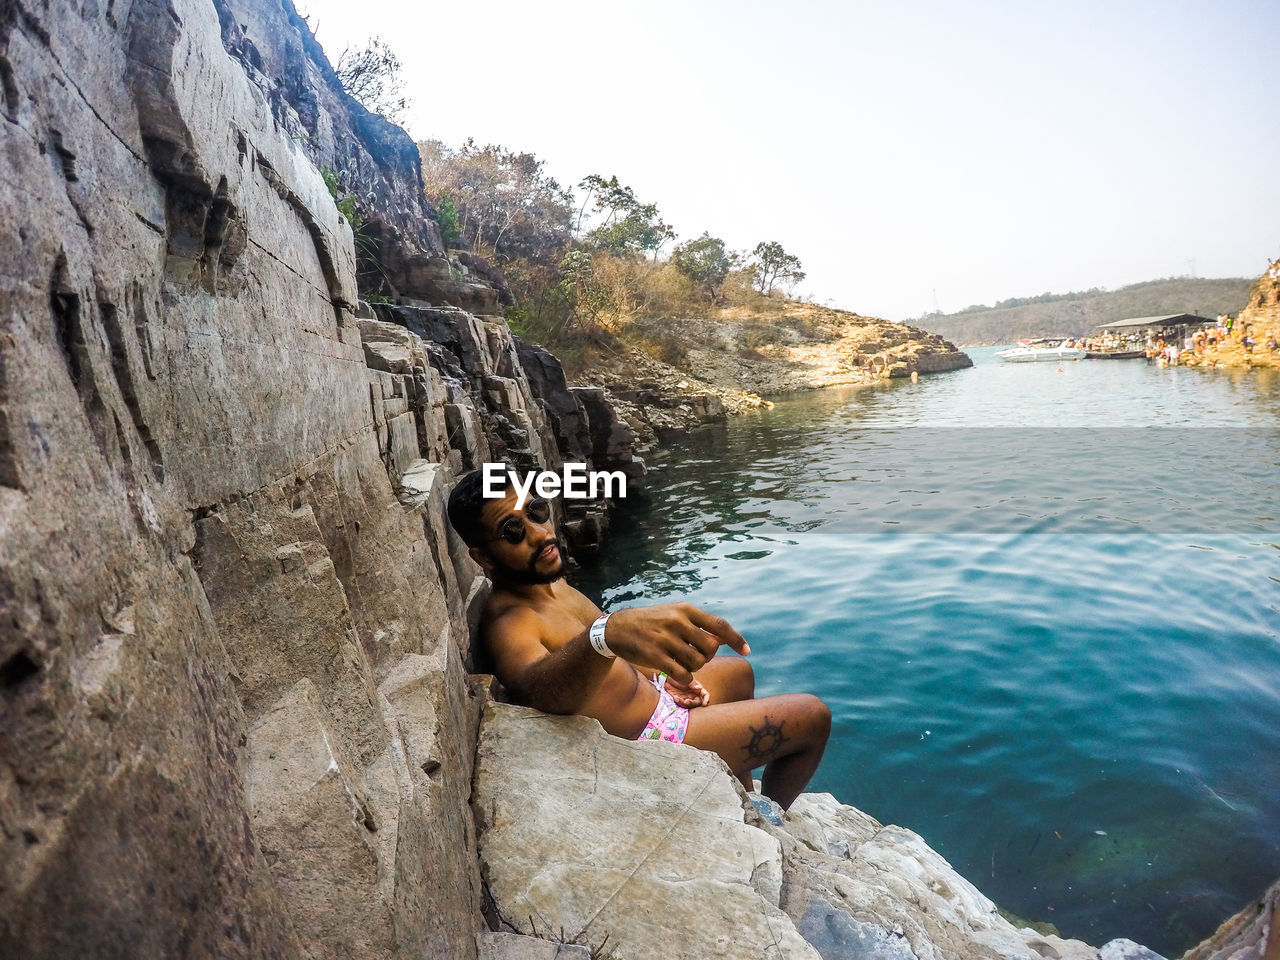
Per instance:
{"type": "Point", "coordinates": [648, 848]}
{"type": "Point", "coordinates": [1252, 934]}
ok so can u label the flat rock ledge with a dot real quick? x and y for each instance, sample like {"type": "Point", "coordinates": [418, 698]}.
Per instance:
{"type": "Point", "coordinates": [648, 849]}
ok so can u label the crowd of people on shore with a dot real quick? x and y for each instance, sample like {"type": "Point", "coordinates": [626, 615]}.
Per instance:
{"type": "Point", "coordinates": [1182, 346]}
{"type": "Point", "coordinates": [1167, 350]}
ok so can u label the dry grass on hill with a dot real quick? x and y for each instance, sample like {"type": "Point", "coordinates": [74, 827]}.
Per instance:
{"type": "Point", "coordinates": [738, 343]}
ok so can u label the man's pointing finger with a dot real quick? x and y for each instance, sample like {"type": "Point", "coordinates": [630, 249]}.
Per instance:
{"type": "Point", "coordinates": [701, 641]}
{"type": "Point", "coordinates": [687, 655]}
{"type": "Point", "coordinates": [719, 628]}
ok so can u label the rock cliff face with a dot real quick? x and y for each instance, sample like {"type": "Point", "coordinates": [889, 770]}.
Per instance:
{"type": "Point", "coordinates": [1263, 305]}
{"type": "Point", "coordinates": [1260, 319]}
{"type": "Point", "coordinates": [233, 621]}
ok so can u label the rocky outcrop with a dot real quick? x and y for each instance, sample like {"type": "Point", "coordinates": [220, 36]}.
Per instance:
{"type": "Point", "coordinates": [1252, 934]}
{"type": "Point", "coordinates": [588, 429]}
{"type": "Point", "coordinates": [637, 849]}
{"type": "Point", "coordinates": [854, 887]}
{"type": "Point", "coordinates": [1263, 305]}
{"type": "Point", "coordinates": [1259, 321]}
{"type": "Point", "coordinates": [657, 400]}
{"type": "Point", "coordinates": [642, 849]}
{"type": "Point", "coordinates": [722, 366]}
{"type": "Point", "coordinates": [362, 153]}
{"type": "Point", "coordinates": [399, 251]}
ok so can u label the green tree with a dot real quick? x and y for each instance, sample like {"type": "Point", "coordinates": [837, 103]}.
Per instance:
{"type": "Point", "coordinates": [705, 261]}
{"type": "Point", "coordinates": [591, 297]}
{"type": "Point", "coordinates": [371, 76]}
{"type": "Point", "coordinates": [343, 199]}
{"type": "Point", "coordinates": [447, 217]}
{"type": "Point", "coordinates": [774, 265]}
{"type": "Point", "coordinates": [625, 225]}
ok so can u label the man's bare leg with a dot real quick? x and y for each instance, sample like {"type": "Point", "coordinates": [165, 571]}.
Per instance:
{"type": "Point", "coordinates": [727, 679]}
{"type": "Point", "coordinates": [786, 734]}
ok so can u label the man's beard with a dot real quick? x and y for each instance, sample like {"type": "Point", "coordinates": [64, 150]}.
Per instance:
{"type": "Point", "coordinates": [530, 575]}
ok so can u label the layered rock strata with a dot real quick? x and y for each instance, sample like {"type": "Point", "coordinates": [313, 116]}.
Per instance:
{"type": "Point", "coordinates": [363, 156]}
{"type": "Point", "coordinates": [234, 622]}
{"type": "Point", "coordinates": [1252, 934]}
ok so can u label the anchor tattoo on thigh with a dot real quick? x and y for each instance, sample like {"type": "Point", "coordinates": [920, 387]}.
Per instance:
{"type": "Point", "coordinates": [765, 740]}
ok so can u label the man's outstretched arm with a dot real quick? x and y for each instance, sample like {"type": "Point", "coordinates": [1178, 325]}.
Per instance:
{"type": "Point", "coordinates": [673, 638]}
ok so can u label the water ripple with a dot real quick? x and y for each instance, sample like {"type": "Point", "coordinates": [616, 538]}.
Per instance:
{"type": "Point", "coordinates": [1020, 648]}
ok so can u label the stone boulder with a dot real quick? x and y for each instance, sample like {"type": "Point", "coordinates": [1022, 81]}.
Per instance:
{"type": "Point", "coordinates": [487, 272]}
{"type": "Point", "coordinates": [612, 439]}
{"type": "Point", "coordinates": [563, 409]}
{"type": "Point", "coordinates": [440, 281]}
{"type": "Point", "coordinates": [637, 849]}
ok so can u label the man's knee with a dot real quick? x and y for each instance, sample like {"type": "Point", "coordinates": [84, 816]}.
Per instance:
{"type": "Point", "coordinates": [816, 714]}
{"type": "Point", "coordinates": [805, 719]}
{"type": "Point", "coordinates": [744, 680]}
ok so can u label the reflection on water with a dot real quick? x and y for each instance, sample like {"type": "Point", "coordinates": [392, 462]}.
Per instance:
{"type": "Point", "coordinates": [1077, 704]}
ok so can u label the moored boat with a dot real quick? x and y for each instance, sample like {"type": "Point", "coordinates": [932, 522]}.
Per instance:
{"type": "Point", "coordinates": [1116, 354]}
{"type": "Point", "coordinates": [1032, 353]}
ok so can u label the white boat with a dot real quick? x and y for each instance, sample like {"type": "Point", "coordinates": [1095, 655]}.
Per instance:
{"type": "Point", "coordinates": [1032, 354]}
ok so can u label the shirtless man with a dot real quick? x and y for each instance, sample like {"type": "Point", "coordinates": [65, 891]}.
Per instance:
{"type": "Point", "coordinates": [538, 633]}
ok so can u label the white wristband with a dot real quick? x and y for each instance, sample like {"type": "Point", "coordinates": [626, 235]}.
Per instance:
{"type": "Point", "coordinates": [596, 635]}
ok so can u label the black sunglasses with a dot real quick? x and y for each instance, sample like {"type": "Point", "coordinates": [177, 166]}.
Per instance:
{"type": "Point", "coordinates": [513, 529]}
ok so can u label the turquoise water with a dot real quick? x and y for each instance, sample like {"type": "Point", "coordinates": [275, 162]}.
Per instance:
{"type": "Point", "coordinates": [1043, 604]}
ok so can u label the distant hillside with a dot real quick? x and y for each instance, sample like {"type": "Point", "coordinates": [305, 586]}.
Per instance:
{"type": "Point", "coordinates": [1073, 314]}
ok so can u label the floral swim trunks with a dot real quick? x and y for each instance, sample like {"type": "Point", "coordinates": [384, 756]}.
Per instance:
{"type": "Point", "coordinates": [669, 721]}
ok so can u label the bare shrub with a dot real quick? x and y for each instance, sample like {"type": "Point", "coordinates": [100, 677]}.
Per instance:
{"type": "Point", "coordinates": [371, 75]}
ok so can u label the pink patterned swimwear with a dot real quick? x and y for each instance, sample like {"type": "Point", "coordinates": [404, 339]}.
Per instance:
{"type": "Point", "coordinates": [669, 721]}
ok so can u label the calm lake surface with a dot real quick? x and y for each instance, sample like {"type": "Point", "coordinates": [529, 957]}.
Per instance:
{"type": "Point", "coordinates": [1043, 604]}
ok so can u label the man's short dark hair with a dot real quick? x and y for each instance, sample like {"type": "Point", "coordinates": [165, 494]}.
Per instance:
{"type": "Point", "coordinates": [465, 503]}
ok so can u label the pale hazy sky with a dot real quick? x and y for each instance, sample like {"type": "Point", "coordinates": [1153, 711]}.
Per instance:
{"type": "Point", "coordinates": [981, 150]}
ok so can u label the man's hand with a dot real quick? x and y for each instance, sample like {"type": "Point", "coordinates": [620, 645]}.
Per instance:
{"type": "Point", "coordinates": [692, 694]}
{"type": "Point", "coordinates": [675, 638]}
